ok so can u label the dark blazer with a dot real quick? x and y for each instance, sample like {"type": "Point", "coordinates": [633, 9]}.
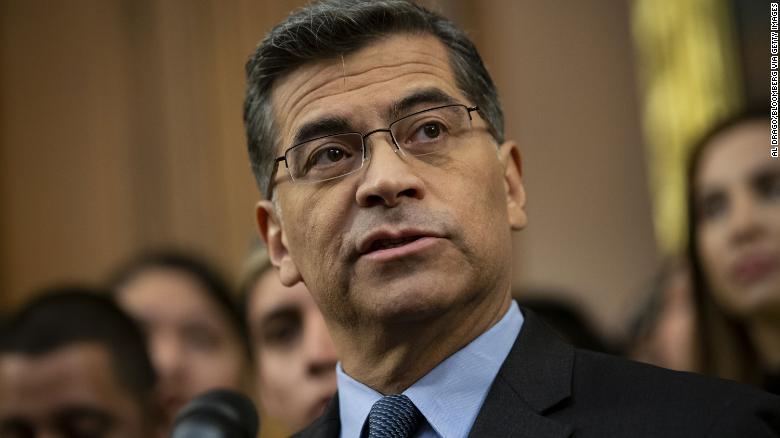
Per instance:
{"type": "Point", "coordinates": [548, 389]}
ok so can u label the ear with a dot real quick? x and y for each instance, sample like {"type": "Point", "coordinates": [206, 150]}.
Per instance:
{"type": "Point", "coordinates": [272, 232]}
{"type": "Point", "coordinates": [513, 184]}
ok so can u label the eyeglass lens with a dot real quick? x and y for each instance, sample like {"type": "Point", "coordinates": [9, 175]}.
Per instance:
{"type": "Point", "coordinates": [421, 133]}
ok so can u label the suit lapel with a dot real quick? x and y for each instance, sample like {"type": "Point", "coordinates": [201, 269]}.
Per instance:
{"type": "Point", "coordinates": [535, 377]}
{"type": "Point", "coordinates": [533, 380]}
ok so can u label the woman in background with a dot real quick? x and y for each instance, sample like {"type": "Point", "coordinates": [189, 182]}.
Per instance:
{"type": "Point", "coordinates": [734, 249]}
{"type": "Point", "coordinates": [294, 357]}
{"type": "Point", "coordinates": [197, 338]}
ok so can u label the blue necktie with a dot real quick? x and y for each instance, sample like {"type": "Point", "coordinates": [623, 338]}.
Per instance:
{"type": "Point", "coordinates": [393, 416]}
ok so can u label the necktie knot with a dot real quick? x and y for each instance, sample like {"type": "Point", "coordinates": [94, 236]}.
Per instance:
{"type": "Point", "coordinates": [393, 416]}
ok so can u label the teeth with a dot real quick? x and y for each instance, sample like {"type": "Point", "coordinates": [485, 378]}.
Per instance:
{"type": "Point", "coordinates": [391, 243]}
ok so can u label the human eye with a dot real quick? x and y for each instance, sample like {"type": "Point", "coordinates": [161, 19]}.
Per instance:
{"type": "Point", "coordinates": [712, 206]}
{"type": "Point", "coordinates": [282, 330]}
{"type": "Point", "coordinates": [424, 135]}
{"type": "Point", "coordinates": [428, 126]}
{"type": "Point", "coordinates": [327, 157]}
{"type": "Point", "coordinates": [431, 130]}
{"type": "Point", "coordinates": [768, 186]}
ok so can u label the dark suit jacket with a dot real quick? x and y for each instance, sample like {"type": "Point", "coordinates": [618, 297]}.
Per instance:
{"type": "Point", "coordinates": [548, 389]}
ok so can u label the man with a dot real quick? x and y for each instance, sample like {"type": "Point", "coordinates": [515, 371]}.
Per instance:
{"type": "Point", "coordinates": [376, 135]}
{"type": "Point", "coordinates": [73, 365]}
{"type": "Point", "coordinates": [294, 357]}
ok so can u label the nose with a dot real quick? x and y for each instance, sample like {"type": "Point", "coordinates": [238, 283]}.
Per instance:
{"type": "Point", "coordinates": [388, 179]}
{"type": "Point", "coordinates": [167, 356]}
{"type": "Point", "coordinates": [320, 353]}
{"type": "Point", "coordinates": [744, 224]}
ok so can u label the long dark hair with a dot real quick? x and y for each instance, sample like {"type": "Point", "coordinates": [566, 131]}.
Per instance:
{"type": "Point", "coordinates": [724, 348]}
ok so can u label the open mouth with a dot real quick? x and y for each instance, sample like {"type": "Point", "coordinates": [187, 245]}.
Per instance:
{"type": "Point", "coordinates": [385, 249]}
{"type": "Point", "coordinates": [381, 244]}
{"type": "Point", "coordinates": [384, 245]}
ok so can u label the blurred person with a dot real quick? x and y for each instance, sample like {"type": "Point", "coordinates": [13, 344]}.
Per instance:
{"type": "Point", "coordinates": [664, 331]}
{"type": "Point", "coordinates": [734, 248]}
{"type": "Point", "coordinates": [377, 140]}
{"type": "Point", "coordinates": [72, 364]}
{"type": "Point", "coordinates": [197, 338]}
{"type": "Point", "coordinates": [564, 317]}
{"type": "Point", "coordinates": [294, 357]}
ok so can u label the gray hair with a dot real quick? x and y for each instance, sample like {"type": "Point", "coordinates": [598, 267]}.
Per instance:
{"type": "Point", "coordinates": [332, 28]}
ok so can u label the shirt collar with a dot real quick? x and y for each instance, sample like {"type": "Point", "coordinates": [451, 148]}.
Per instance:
{"type": "Point", "coordinates": [450, 395]}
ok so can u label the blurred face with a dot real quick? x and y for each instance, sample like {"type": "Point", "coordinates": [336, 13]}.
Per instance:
{"type": "Point", "coordinates": [193, 346]}
{"type": "Point", "coordinates": [405, 237]}
{"type": "Point", "coordinates": [71, 392]}
{"type": "Point", "coordinates": [738, 202]}
{"type": "Point", "coordinates": [295, 357]}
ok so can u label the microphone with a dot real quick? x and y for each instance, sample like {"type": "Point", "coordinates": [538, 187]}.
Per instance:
{"type": "Point", "coordinates": [217, 414]}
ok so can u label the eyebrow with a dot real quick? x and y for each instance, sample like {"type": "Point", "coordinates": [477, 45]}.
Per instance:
{"type": "Point", "coordinates": [756, 176]}
{"type": "Point", "coordinates": [431, 96]}
{"type": "Point", "coordinates": [321, 127]}
{"type": "Point", "coordinates": [764, 171]}
{"type": "Point", "coordinates": [330, 125]}
{"type": "Point", "coordinates": [283, 311]}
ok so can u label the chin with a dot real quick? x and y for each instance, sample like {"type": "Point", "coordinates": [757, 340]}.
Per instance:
{"type": "Point", "coordinates": [763, 302]}
{"type": "Point", "coordinates": [413, 298]}
{"type": "Point", "coordinates": [747, 301]}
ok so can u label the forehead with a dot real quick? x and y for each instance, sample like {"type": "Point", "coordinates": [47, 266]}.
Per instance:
{"type": "Point", "coordinates": [167, 293]}
{"type": "Point", "coordinates": [732, 156]}
{"type": "Point", "coordinates": [75, 375]}
{"type": "Point", "coordinates": [361, 86]}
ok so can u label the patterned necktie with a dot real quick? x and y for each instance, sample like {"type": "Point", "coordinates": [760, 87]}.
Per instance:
{"type": "Point", "coordinates": [393, 416]}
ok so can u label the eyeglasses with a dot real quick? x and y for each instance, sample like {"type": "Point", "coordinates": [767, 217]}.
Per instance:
{"type": "Point", "coordinates": [333, 156]}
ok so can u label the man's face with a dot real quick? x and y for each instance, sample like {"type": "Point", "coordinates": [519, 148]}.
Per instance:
{"type": "Point", "coordinates": [70, 392]}
{"type": "Point", "coordinates": [446, 217]}
{"type": "Point", "coordinates": [295, 360]}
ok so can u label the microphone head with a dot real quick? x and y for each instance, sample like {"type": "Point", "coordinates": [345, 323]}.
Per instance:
{"type": "Point", "coordinates": [217, 414]}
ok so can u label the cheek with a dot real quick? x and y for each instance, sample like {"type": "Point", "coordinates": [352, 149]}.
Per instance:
{"type": "Point", "coordinates": [481, 200]}
{"type": "Point", "coordinates": [278, 378]}
{"type": "Point", "coordinates": [712, 252]}
{"type": "Point", "coordinates": [223, 368]}
{"type": "Point", "coordinates": [315, 225]}
{"type": "Point", "coordinates": [771, 217]}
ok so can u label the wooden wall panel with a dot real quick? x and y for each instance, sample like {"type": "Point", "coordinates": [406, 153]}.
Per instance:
{"type": "Point", "coordinates": [121, 130]}
{"type": "Point", "coordinates": [64, 130]}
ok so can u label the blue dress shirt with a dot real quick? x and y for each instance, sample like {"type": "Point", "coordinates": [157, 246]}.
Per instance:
{"type": "Point", "coordinates": [450, 395]}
